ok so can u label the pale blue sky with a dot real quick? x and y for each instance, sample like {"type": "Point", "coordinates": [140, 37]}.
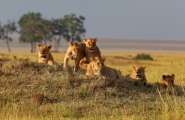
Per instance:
{"type": "Point", "coordinates": [138, 19]}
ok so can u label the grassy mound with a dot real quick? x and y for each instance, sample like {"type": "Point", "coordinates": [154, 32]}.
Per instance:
{"type": "Point", "coordinates": [29, 90]}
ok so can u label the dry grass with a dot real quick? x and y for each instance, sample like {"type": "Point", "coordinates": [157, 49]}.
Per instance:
{"type": "Point", "coordinates": [32, 91]}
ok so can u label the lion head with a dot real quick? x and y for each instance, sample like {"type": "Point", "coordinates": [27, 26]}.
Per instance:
{"type": "Point", "coordinates": [44, 51]}
{"type": "Point", "coordinates": [167, 81]}
{"type": "Point", "coordinates": [96, 65]}
{"type": "Point", "coordinates": [74, 49]}
{"type": "Point", "coordinates": [138, 72]}
{"type": "Point", "coordinates": [90, 44]}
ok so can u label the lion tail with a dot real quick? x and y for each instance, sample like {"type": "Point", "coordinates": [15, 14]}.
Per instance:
{"type": "Point", "coordinates": [83, 63]}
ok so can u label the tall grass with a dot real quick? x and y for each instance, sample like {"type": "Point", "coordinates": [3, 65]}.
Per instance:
{"type": "Point", "coordinates": [30, 91]}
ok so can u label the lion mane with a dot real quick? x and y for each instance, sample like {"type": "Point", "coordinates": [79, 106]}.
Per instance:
{"type": "Point", "coordinates": [138, 74]}
{"type": "Point", "coordinates": [44, 55]}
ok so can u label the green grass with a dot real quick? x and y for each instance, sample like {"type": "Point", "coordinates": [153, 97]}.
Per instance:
{"type": "Point", "coordinates": [143, 56]}
{"type": "Point", "coordinates": [31, 91]}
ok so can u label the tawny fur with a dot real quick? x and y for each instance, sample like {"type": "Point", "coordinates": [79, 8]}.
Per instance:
{"type": "Point", "coordinates": [167, 81]}
{"type": "Point", "coordinates": [138, 74]}
{"type": "Point", "coordinates": [96, 67]}
{"type": "Point", "coordinates": [91, 48]}
{"type": "Point", "coordinates": [44, 55]}
{"type": "Point", "coordinates": [75, 51]}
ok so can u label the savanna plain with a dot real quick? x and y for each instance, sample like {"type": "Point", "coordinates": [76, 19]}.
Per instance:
{"type": "Point", "coordinates": [29, 91]}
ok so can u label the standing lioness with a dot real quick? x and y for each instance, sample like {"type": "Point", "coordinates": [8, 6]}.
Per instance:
{"type": "Point", "coordinates": [44, 55]}
{"type": "Point", "coordinates": [75, 51]}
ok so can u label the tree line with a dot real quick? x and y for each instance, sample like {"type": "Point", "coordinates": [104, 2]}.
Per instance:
{"type": "Point", "coordinates": [33, 29]}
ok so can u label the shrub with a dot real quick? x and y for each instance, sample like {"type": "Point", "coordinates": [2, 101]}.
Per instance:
{"type": "Point", "coordinates": [143, 57]}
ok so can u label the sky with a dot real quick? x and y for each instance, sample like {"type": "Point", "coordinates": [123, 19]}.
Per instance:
{"type": "Point", "coordinates": [129, 19]}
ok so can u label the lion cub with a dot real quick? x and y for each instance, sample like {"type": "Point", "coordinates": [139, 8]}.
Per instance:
{"type": "Point", "coordinates": [96, 67]}
{"type": "Point", "coordinates": [44, 55]}
{"type": "Point", "coordinates": [138, 74]}
{"type": "Point", "coordinates": [167, 81]}
{"type": "Point", "coordinates": [75, 51]}
{"type": "Point", "coordinates": [91, 49]}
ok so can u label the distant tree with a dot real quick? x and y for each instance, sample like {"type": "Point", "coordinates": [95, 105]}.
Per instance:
{"type": "Point", "coordinates": [34, 29]}
{"type": "Point", "coordinates": [46, 30]}
{"type": "Point", "coordinates": [5, 32]}
{"type": "Point", "coordinates": [74, 26]}
{"type": "Point", "coordinates": [59, 31]}
{"type": "Point", "coordinates": [70, 28]}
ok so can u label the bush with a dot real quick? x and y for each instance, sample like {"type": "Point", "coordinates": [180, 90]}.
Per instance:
{"type": "Point", "coordinates": [143, 57]}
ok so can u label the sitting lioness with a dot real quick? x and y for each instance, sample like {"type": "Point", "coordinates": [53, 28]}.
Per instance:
{"type": "Point", "coordinates": [96, 67]}
{"type": "Point", "coordinates": [75, 51]}
{"type": "Point", "coordinates": [167, 81]}
{"type": "Point", "coordinates": [138, 74]}
{"type": "Point", "coordinates": [91, 49]}
{"type": "Point", "coordinates": [44, 55]}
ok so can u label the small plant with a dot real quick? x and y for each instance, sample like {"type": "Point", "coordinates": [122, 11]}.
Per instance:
{"type": "Point", "coordinates": [143, 57]}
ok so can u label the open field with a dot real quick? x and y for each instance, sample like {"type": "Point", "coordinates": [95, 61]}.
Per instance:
{"type": "Point", "coordinates": [30, 91]}
{"type": "Point", "coordinates": [111, 45]}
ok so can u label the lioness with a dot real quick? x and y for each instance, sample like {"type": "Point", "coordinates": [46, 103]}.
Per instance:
{"type": "Point", "coordinates": [96, 67]}
{"type": "Point", "coordinates": [75, 51]}
{"type": "Point", "coordinates": [44, 55]}
{"type": "Point", "coordinates": [91, 49]}
{"type": "Point", "coordinates": [138, 74]}
{"type": "Point", "coordinates": [167, 81]}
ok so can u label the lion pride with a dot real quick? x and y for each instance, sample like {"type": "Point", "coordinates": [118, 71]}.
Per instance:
{"type": "Point", "coordinates": [138, 74]}
{"type": "Point", "coordinates": [44, 55]}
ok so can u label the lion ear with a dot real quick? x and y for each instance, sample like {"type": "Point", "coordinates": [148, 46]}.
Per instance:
{"type": "Point", "coordinates": [97, 58]}
{"type": "Point", "coordinates": [85, 40]}
{"type": "Point", "coordinates": [49, 46]}
{"type": "Point", "coordinates": [164, 76]}
{"type": "Point", "coordinates": [103, 59]}
{"type": "Point", "coordinates": [92, 59]}
{"type": "Point", "coordinates": [173, 75]}
{"type": "Point", "coordinates": [84, 59]}
{"type": "Point", "coordinates": [95, 39]}
{"type": "Point", "coordinates": [77, 44]}
{"type": "Point", "coordinates": [134, 67]}
{"type": "Point", "coordinates": [39, 45]}
{"type": "Point", "coordinates": [144, 67]}
{"type": "Point", "coordinates": [70, 44]}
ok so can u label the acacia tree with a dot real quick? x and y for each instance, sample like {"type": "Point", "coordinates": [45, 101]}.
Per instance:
{"type": "Point", "coordinates": [5, 32]}
{"type": "Point", "coordinates": [74, 26]}
{"type": "Point", "coordinates": [70, 28]}
{"type": "Point", "coordinates": [59, 31]}
{"type": "Point", "coordinates": [34, 29]}
{"type": "Point", "coordinates": [46, 30]}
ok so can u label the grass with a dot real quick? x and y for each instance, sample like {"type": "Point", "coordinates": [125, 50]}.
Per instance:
{"type": "Point", "coordinates": [31, 91]}
{"type": "Point", "coordinates": [143, 56]}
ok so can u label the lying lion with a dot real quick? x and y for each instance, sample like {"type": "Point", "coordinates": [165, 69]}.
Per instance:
{"type": "Point", "coordinates": [44, 55]}
{"type": "Point", "coordinates": [75, 51]}
{"type": "Point", "coordinates": [96, 67]}
{"type": "Point", "coordinates": [167, 81]}
{"type": "Point", "coordinates": [91, 49]}
{"type": "Point", "coordinates": [138, 74]}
